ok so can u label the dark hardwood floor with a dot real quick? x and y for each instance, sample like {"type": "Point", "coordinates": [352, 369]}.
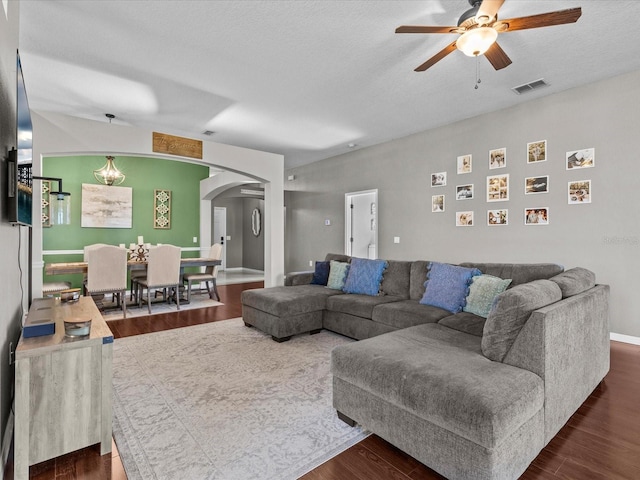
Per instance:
{"type": "Point", "coordinates": [600, 441]}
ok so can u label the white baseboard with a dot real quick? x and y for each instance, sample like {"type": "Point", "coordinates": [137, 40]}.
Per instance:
{"type": "Point", "coordinates": [6, 443]}
{"type": "Point", "coordinates": [618, 337]}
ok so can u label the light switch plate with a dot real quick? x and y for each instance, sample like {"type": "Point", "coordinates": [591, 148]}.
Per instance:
{"type": "Point", "coordinates": [396, 239]}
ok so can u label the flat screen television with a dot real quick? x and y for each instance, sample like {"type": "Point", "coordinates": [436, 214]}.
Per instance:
{"type": "Point", "coordinates": [21, 159]}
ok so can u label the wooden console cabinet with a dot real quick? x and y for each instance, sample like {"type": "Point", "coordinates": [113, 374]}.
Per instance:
{"type": "Point", "coordinates": [63, 397]}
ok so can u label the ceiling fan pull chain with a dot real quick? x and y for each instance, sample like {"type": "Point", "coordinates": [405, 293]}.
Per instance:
{"type": "Point", "coordinates": [477, 72]}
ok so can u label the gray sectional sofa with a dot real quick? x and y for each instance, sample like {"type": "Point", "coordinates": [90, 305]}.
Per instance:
{"type": "Point", "coordinates": [470, 397]}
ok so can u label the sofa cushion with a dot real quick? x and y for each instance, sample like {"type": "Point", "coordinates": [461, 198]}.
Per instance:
{"type": "Point", "coordinates": [321, 273]}
{"type": "Point", "coordinates": [511, 311]}
{"type": "Point", "coordinates": [575, 281]}
{"type": "Point", "coordinates": [447, 286]}
{"type": "Point", "coordinates": [338, 257]}
{"type": "Point", "coordinates": [518, 272]}
{"type": "Point", "coordinates": [284, 301]}
{"type": "Point", "coordinates": [359, 305]}
{"type": "Point", "coordinates": [338, 272]}
{"type": "Point", "coordinates": [365, 276]}
{"type": "Point", "coordinates": [407, 313]}
{"type": "Point", "coordinates": [482, 292]}
{"type": "Point", "coordinates": [465, 322]}
{"type": "Point", "coordinates": [440, 375]}
{"type": "Point", "coordinates": [417, 279]}
{"type": "Point", "coordinates": [396, 279]}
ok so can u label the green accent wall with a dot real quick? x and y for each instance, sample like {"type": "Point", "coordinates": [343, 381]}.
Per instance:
{"type": "Point", "coordinates": [143, 175]}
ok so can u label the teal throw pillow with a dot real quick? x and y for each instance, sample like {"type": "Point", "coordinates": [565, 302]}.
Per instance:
{"type": "Point", "coordinates": [337, 274]}
{"type": "Point", "coordinates": [482, 292]}
{"type": "Point", "coordinates": [447, 286]}
{"type": "Point", "coordinates": [365, 276]}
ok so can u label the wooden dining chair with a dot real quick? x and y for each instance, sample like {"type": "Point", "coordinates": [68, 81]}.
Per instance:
{"type": "Point", "coordinates": [107, 273]}
{"type": "Point", "coordinates": [209, 275]}
{"type": "Point", "coordinates": [163, 271]}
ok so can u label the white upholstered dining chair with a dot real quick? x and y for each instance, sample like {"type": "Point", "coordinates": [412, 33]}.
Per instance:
{"type": "Point", "coordinates": [209, 275]}
{"type": "Point", "coordinates": [107, 272]}
{"type": "Point", "coordinates": [163, 271]}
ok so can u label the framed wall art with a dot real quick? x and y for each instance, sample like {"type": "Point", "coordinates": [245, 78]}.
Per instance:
{"type": "Point", "coordinates": [533, 185]}
{"type": "Point", "coordinates": [498, 188]}
{"type": "Point", "coordinates": [581, 158]}
{"type": "Point", "coordinates": [497, 158]}
{"type": "Point", "coordinates": [106, 206]}
{"type": "Point", "coordinates": [437, 203]}
{"type": "Point", "coordinates": [537, 151]}
{"type": "Point", "coordinates": [536, 216]}
{"type": "Point", "coordinates": [162, 209]}
{"type": "Point", "coordinates": [464, 192]}
{"type": "Point", "coordinates": [439, 179]}
{"type": "Point", "coordinates": [465, 163]}
{"type": "Point", "coordinates": [464, 219]}
{"type": "Point", "coordinates": [498, 217]}
{"type": "Point", "coordinates": [579, 192]}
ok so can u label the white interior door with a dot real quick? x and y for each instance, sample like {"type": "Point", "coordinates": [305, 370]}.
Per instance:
{"type": "Point", "coordinates": [361, 214]}
{"type": "Point", "coordinates": [220, 232]}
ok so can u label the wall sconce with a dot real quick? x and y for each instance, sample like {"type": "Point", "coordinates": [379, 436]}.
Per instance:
{"type": "Point", "coordinates": [109, 174]}
{"type": "Point", "coordinates": [61, 206]}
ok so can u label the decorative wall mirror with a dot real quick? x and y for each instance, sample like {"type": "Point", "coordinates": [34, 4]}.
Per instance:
{"type": "Point", "coordinates": [255, 222]}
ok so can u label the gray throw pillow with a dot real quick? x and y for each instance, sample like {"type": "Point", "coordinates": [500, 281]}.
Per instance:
{"type": "Point", "coordinates": [511, 311]}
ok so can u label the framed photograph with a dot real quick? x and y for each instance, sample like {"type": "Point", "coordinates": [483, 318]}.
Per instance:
{"type": "Point", "coordinates": [439, 179]}
{"type": "Point", "coordinates": [498, 188]}
{"type": "Point", "coordinates": [464, 192]}
{"type": "Point", "coordinates": [581, 158]}
{"type": "Point", "coordinates": [106, 206]}
{"type": "Point", "coordinates": [437, 203]}
{"type": "Point", "coordinates": [497, 217]}
{"type": "Point", "coordinates": [537, 151]}
{"type": "Point", "coordinates": [497, 158]}
{"type": "Point", "coordinates": [533, 185]}
{"type": "Point", "coordinates": [464, 164]}
{"type": "Point", "coordinates": [579, 192]}
{"type": "Point", "coordinates": [536, 216]}
{"type": "Point", "coordinates": [464, 219]}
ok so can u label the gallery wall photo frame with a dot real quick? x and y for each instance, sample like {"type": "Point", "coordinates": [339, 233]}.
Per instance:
{"type": "Point", "coordinates": [498, 217]}
{"type": "Point", "coordinates": [439, 179]}
{"type": "Point", "coordinates": [498, 188]}
{"type": "Point", "coordinates": [465, 163]}
{"type": "Point", "coordinates": [464, 219]}
{"type": "Point", "coordinates": [537, 151]}
{"type": "Point", "coordinates": [497, 158]}
{"type": "Point", "coordinates": [584, 158]}
{"type": "Point", "coordinates": [579, 192]}
{"type": "Point", "coordinates": [536, 216]}
{"type": "Point", "coordinates": [536, 185]}
{"type": "Point", "coordinates": [464, 192]}
{"type": "Point", "coordinates": [437, 203]}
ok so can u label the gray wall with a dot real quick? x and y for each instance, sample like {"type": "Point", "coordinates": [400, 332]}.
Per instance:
{"type": "Point", "coordinates": [13, 240]}
{"type": "Point", "coordinates": [603, 236]}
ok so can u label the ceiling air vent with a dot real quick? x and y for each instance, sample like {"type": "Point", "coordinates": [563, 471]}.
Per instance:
{"type": "Point", "coordinates": [208, 132]}
{"type": "Point", "coordinates": [530, 87]}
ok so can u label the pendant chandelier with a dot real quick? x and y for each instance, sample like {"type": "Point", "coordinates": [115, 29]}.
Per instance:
{"type": "Point", "coordinates": [109, 174]}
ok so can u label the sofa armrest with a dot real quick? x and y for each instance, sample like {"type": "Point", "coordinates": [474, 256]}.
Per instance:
{"type": "Point", "coordinates": [298, 278]}
{"type": "Point", "coordinates": [567, 344]}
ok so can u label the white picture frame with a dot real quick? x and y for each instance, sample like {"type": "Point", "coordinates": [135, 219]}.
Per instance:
{"type": "Point", "coordinates": [536, 185]}
{"type": "Point", "coordinates": [498, 188]}
{"type": "Point", "coordinates": [498, 217]}
{"type": "Point", "coordinates": [464, 219]}
{"type": "Point", "coordinates": [437, 204]}
{"type": "Point", "coordinates": [536, 216]}
{"type": "Point", "coordinates": [497, 158]}
{"type": "Point", "coordinates": [465, 164]}
{"type": "Point", "coordinates": [585, 158]}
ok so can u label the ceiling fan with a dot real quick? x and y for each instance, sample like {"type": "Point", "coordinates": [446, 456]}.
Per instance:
{"type": "Point", "coordinates": [479, 27]}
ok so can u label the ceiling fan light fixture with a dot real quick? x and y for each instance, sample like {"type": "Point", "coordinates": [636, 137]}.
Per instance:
{"type": "Point", "coordinates": [477, 41]}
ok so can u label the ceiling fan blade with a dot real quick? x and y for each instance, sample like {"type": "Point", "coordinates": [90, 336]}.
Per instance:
{"type": "Point", "coordinates": [559, 17]}
{"type": "Point", "coordinates": [425, 29]}
{"type": "Point", "coordinates": [497, 57]}
{"type": "Point", "coordinates": [437, 57]}
{"type": "Point", "coordinates": [488, 11]}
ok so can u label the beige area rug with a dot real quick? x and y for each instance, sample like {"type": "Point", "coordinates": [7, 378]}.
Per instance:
{"type": "Point", "coordinates": [224, 401]}
{"type": "Point", "coordinates": [111, 312]}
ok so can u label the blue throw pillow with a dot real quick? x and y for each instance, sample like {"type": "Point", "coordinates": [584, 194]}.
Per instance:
{"type": "Point", "coordinates": [337, 274]}
{"type": "Point", "coordinates": [447, 286]}
{"type": "Point", "coordinates": [321, 274]}
{"type": "Point", "coordinates": [365, 276]}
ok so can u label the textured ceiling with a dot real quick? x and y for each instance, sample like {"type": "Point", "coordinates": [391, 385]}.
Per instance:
{"type": "Point", "coordinates": [300, 78]}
